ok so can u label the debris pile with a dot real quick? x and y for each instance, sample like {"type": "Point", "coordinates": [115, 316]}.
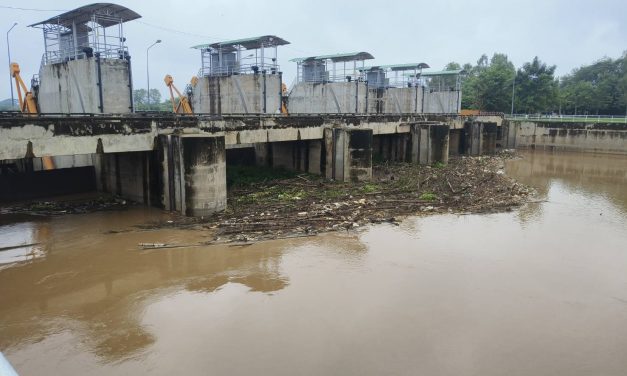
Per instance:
{"type": "Point", "coordinates": [307, 204]}
{"type": "Point", "coordinates": [72, 206]}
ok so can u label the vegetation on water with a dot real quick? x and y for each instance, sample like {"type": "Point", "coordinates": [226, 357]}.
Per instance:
{"type": "Point", "coordinates": [428, 196]}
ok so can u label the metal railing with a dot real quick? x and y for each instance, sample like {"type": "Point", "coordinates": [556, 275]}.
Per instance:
{"type": "Point", "coordinates": [55, 57]}
{"type": "Point", "coordinates": [242, 66]}
{"type": "Point", "coordinates": [570, 118]}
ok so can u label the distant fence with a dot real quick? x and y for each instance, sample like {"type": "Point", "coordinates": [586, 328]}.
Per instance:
{"type": "Point", "coordinates": [570, 118]}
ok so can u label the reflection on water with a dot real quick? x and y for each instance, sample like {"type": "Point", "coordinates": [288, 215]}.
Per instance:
{"type": "Point", "coordinates": [594, 175]}
{"type": "Point", "coordinates": [20, 242]}
{"type": "Point", "coordinates": [539, 291]}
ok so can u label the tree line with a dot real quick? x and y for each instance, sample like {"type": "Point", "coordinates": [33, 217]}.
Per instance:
{"type": "Point", "coordinates": [598, 89]}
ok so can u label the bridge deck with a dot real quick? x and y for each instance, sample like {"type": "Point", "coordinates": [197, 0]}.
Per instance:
{"type": "Point", "coordinates": [63, 134]}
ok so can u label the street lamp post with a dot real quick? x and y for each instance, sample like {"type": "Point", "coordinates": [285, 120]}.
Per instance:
{"type": "Point", "coordinates": [513, 88]}
{"type": "Point", "coordinates": [10, 76]}
{"type": "Point", "coordinates": [148, 72]}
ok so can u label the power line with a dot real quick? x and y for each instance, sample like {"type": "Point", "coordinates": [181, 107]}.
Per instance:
{"type": "Point", "coordinates": [33, 9]}
{"type": "Point", "coordinates": [214, 37]}
{"type": "Point", "coordinates": [178, 31]}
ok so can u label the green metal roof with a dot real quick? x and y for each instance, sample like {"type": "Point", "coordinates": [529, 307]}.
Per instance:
{"type": "Point", "coordinates": [247, 43]}
{"type": "Point", "coordinates": [443, 73]}
{"type": "Point", "coordinates": [349, 56]}
{"type": "Point", "coordinates": [397, 67]}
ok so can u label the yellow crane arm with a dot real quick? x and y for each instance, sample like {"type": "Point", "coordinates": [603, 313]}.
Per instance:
{"type": "Point", "coordinates": [27, 101]}
{"type": "Point", "coordinates": [183, 106]}
{"type": "Point", "coordinates": [28, 105]}
{"type": "Point", "coordinates": [283, 99]}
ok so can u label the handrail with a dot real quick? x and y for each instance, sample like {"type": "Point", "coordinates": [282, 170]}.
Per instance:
{"type": "Point", "coordinates": [570, 118]}
{"type": "Point", "coordinates": [168, 114]}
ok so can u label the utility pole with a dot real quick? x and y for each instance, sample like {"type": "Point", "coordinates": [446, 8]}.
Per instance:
{"type": "Point", "coordinates": [148, 72]}
{"type": "Point", "coordinates": [513, 88]}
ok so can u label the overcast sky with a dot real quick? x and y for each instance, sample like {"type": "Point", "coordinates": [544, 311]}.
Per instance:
{"type": "Point", "coordinates": [567, 33]}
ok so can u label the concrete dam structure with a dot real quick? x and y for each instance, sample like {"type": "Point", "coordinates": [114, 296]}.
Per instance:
{"type": "Point", "coordinates": [239, 77]}
{"type": "Point", "coordinates": [336, 118]}
{"type": "Point", "coordinates": [179, 163]}
{"type": "Point", "coordinates": [86, 67]}
{"type": "Point", "coordinates": [341, 83]}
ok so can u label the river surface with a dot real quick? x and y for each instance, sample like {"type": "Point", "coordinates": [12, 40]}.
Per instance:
{"type": "Point", "coordinates": [538, 291]}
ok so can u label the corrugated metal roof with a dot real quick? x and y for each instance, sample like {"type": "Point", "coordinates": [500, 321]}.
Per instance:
{"type": "Point", "coordinates": [443, 73]}
{"type": "Point", "coordinates": [397, 67]}
{"type": "Point", "coordinates": [83, 14]}
{"type": "Point", "coordinates": [349, 56]}
{"type": "Point", "coordinates": [247, 43]}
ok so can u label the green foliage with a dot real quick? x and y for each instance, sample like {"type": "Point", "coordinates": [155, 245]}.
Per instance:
{"type": "Point", "coordinates": [370, 187]}
{"type": "Point", "coordinates": [428, 196]}
{"type": "Point", "coordinates": [292, 195]}
{"type": "Point", "coordinates": [536, 88]}
{"type": "Point", "coordinates": [334, 192]}
{"type": "Point", "coordinates": [140, 99]}
{"type": "Point", "coordinates": [438, 165]}
{"type": "Point", "coordinates": [599, 88]}
{"type": "Point", "coordinates": [488, 85]}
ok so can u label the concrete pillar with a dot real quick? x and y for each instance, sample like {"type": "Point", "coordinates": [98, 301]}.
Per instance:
{"type": "Point", "coordinates": [314, 158]}
{"type": "Point", "coordinates": [481, 138]}
{"type": "Point", "coordinates": [194, 174]}
{"type": "Point", "coordinates": [429, 143]}
{"type": "Point", "coordinates": [488, 134]}
{"type": "Point", "coordinates": [474, 138]}
{"type": "Point", "coordinates": [348, 154]}
{"type": "Point", "coordinates": [509, 134]}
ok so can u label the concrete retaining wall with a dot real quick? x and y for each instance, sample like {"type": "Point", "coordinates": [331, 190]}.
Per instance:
{"type": "Point", "coordinates": [442, 102]}
{"type": "Point", "coordinates": [348, 153]}
{"type": "Point", "coordinates": [72, 87]}
{"type": "Point", "coordinates": [238, 94]}
{"type": "Point", "coordinates": [395, 100]}
{"type": "Point", "coordinates": [600, 138]}
{"type": "Point", "coordinates": [333, 97]}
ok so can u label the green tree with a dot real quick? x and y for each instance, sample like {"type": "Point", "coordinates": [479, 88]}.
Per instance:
{"type": "Point", "coordinates": [487, 85]}
{"type": "Point", "coordinates": [598, 88]}
{"type": "Point", "coordinates": [536, 88]}
{"type": "Point", "coordinates": [140, 99]}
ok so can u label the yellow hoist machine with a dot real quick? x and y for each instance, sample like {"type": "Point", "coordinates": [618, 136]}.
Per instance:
{"type": "Point", "coordinates": [182, 106]}
{"type": "Point", "coordinates": [28, 105]}
{"type": "Point", "coordinates": [284, 99]}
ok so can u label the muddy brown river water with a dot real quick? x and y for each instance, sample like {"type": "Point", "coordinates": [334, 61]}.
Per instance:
{"type": "Point", "coordinates": [538, 291]}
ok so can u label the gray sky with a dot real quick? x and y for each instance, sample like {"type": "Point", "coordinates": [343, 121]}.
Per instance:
{"type": "Point", "coordinates": [567, 33]}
